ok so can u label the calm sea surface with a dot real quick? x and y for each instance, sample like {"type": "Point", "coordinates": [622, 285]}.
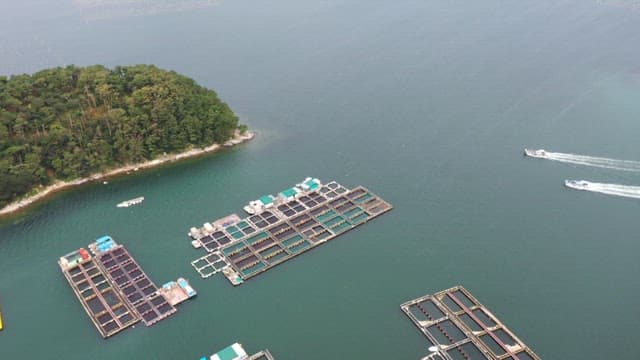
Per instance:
{"type": "Point", "coordinates": [427, 103]}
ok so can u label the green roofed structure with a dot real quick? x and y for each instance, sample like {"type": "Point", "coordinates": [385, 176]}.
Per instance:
{"type": "Point", "coordinates": [267, 199]}
{"type": "Point", "coordinates": [290, 192]}
{"type": "Point", "coordinates": [312, 184]}
{"type": "Point", "coordinates": [231, 352]}
{"type": "Point", "coordinates": [236, 352]}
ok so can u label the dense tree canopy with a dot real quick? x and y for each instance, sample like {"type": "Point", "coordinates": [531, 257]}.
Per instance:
{"type": "Point", "coordinates": [66, 123]}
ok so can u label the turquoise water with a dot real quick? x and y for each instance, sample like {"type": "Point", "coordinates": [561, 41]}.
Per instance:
{"type": "Point", "coordinates": [427, 103]}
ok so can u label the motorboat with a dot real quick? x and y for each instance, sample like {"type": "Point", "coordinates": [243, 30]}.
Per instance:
{"type": "Point", "coordinates": [577, 184]}
{"type": "Point", "coordinates": [131, 202]}
{"type": "Point", "coordinates": [539, 153]}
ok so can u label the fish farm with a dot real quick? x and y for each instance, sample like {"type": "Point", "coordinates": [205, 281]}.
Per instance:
{"type": "Point", "coordinates": [113, 289]}
{"type": "Point", "coordinates": [280, 228]}
{"type": "Point", "coordinates": [459, 327]}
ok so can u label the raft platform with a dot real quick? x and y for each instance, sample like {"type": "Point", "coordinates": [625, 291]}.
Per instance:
{"type": "Point", "coordinates": [458, 326]}
{"type": "Point", "coordinates": [177, 291]}
{"type": "Point", "coordinates": [114, 290]}
{"type": "Point", "coordinates": [251, 246]}
{"type": "Point", "coordinates": [106, 307]}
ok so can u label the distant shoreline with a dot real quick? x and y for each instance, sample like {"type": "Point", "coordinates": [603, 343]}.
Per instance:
{"type": "Point", "coordinates": [44, 192]}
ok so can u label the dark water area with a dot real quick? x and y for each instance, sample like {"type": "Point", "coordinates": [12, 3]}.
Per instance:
{"type": "Point", "coordinates": [426, 103]}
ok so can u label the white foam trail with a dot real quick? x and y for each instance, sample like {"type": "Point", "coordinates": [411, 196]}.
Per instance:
{"type": "Point", "coordinates": [606, 163]}
{"type": "Point", "coordinates": [614, 189]}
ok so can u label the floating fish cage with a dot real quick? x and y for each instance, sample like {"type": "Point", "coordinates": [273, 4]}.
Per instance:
{"type": "Point", "coordinates": [458, 326]}
{"type": "Point", "coordinates": [292, 226]}
{"type": "Point", "coordinates": [103, 303]}
{"type": "Point", "coordinates": [112, 287]}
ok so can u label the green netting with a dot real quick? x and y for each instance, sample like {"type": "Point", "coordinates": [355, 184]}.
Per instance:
{"type": "Point", "coordinates": [334, 221]}
{"type": "Point", "coordinates": [300, 246]}
{"type": "Point", "coordinates": [277, 257]}
{"type": "Point", "coordinates": [252, 240]}
{"type": "Point", "coordinates": [200, 263]}
{"type": "Point", "coordinates": [342, 227]}
{"type": "Point", "coordinates": [328, 215]}
{"type": "Point", "coordinates": [253, 269]}
{"type": "Point", "coordinates": [292, 240]}
{"type": "Point", "coordinates": [242, 224]}
{"type": "Point", "coordinates": [233, 248]}
{"type": "Point", "coordinates": [363, 198]}
{"type": "Point", "coordinates": [274, 249]}
{"type": "Point", "coordinates": [353, 212]}
{"type": "Point", "coordinates": [360, 218]}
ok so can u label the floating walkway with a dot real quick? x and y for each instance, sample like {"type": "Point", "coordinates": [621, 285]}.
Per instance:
{"type": "Point", "coordinates": [113, 289]}
{"type": "Point", "coordinates": [459, 327]}
{"type": "Point", "coordinates": [293, 225]}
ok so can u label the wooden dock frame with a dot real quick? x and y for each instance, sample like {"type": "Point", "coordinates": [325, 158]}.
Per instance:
{"type": "Point", "coordinates": [262, 355]}
{"type": "Point", "coordinates": [479, 328]}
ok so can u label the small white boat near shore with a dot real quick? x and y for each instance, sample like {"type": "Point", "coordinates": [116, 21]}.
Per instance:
{"type": "Point", "coordinates": [131, 202]}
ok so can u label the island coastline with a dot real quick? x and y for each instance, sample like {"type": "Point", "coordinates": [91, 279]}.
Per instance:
{"type": "Point", "coordinates": [45, 191]}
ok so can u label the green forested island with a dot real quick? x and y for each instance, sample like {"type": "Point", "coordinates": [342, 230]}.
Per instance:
{"type": "Point", "coordinates": [66, 123]}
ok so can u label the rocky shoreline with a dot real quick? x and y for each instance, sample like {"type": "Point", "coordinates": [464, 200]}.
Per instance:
{"type": "Point", "coordinates": [43, 191]}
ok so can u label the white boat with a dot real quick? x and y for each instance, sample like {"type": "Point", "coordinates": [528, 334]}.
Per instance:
{"type": "Point", "coordinates": [540, 153]}
{"type": "Point", "coordinates": [577, 184]}
{"type": "Point", "coordinates": [131, 202]}
{"type": "Point", "coordinates": [194, 233]}
{"type": "Point", "coordinates": [257, 206]}
{"type": "Point", "coordinates": [250, 209]}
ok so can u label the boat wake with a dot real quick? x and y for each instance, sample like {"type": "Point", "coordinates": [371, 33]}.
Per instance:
{"type": "Point", "coordinates": [606, 163]}
{"type": "Point", "coordinates": [608, 189]}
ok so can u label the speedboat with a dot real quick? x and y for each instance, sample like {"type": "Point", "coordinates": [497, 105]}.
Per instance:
{"type": "Point", "coordinates": [577, 184]}
{"type": "Point", "coordinates": [540, 153]}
